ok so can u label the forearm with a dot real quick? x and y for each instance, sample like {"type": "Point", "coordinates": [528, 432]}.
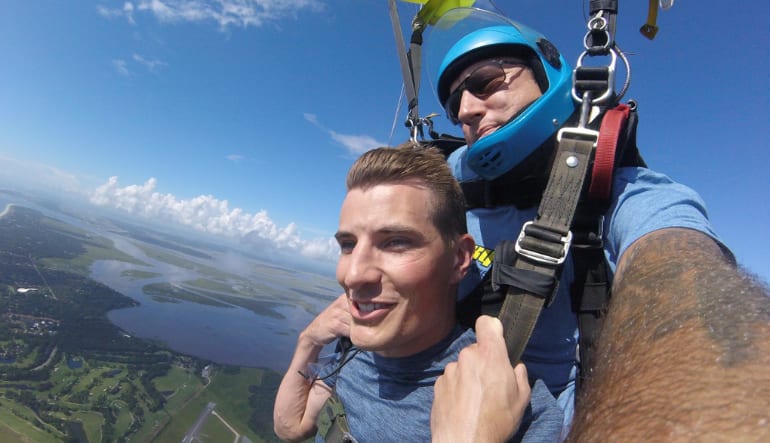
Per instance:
{"type": "Point", "coordinates": [291, 418]}
{"type": "Point", "coordinates": [685, 349]}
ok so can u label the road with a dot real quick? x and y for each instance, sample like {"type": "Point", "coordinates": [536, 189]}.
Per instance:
{"type": "Point", "coordinates": [192, 434]}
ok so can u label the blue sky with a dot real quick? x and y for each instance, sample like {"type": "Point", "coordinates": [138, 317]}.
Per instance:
{"type": "Point", "coordinates": [241, 117]}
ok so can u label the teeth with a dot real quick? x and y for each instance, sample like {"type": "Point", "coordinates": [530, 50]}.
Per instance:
{"type": "Point", "coordinates": [369, 307]}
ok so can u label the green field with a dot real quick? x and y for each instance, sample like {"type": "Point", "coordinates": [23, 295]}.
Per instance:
{"type": "Point", "coordinates": [242, 396]}
{"type": "Point", "coordinates": [69, 375]}
{"type": "Point", "coordinates": [109, 402]}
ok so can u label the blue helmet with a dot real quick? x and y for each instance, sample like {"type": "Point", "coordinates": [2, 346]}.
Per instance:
{"type": "Point", "coordinates": [478, 35]}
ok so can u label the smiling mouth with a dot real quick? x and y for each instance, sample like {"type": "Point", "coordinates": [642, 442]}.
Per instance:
{"type": "Point", "coordinates": [370, 307]}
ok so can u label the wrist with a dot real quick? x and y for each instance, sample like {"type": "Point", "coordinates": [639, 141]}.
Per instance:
{"type": "Point", "coordinates": [307, 341]}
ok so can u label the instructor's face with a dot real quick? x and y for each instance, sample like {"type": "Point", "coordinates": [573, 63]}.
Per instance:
{"type": "Point", "coordinates": [481, 116]}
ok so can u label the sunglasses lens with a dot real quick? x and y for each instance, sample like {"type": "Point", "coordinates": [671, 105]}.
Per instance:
{"type": "Point", "coordinates": [485, 80]}
{"type": "Point", "coordinates": [452, 105]}
{"type": "Point", "coordinates": [482, 83]}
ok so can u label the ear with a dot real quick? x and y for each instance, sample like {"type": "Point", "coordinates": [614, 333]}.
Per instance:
{"type": "Point", "coordinates": [463, 253]}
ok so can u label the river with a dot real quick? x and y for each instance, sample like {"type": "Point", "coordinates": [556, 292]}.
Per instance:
{"type": "Point", "coordinates": [225, 335]}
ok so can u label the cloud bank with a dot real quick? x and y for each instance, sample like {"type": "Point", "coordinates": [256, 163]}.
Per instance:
{"type": "Point", "coordinates": [226, 13]}
{"type": "Point", "coordinates": [210, 215]}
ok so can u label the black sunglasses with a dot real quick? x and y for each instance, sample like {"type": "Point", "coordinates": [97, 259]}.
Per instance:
{"type": "Point", "coordinates": [482, 82]}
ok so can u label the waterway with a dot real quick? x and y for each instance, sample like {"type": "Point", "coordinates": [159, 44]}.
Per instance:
{"type": "Point", "coordinates": [225, 335]}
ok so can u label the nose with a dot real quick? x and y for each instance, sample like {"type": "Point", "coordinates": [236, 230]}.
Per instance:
{"type": "Point", "coordinates": [471, 108]}
{"type": "Point", "coordinates": [358, 268]}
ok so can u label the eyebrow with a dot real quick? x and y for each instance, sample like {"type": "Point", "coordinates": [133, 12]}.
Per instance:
{"type": "Point", "coordinates": [388, 229]}
{"type": "Point", "coordinates": [342, 234]}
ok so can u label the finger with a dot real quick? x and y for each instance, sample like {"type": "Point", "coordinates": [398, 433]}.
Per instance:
{"type": "Point", "coordinates": [438, 386]}
{"type": "Point", "coordinates": [521, 371]}
{"type": "Point", "coordinates": [449, 371]}
{"type": "Point", "coordinates": [489, 331]}
{"type": "Point", "coordinates": [522, 382]}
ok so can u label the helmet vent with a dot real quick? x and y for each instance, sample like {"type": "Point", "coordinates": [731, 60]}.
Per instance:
{"type": "Point", "coordinates": [550, 53]}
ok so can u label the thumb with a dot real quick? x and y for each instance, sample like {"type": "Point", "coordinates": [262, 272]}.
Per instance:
{"type": "Point", "coordinates": [489, 331]}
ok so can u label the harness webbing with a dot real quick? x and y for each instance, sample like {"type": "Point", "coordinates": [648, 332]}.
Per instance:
{"type": "Point", "coordinates": [542, 245]}
{"type": "Point", "coordinates": [332, 423]}
{"type": "Point", "coordinates": [613, 125]}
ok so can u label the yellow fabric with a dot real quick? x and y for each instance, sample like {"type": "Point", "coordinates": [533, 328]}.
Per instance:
{"type": "Point", "coordinates": [434, 9]}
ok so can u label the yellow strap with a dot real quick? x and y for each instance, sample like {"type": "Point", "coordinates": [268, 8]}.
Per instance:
{"type": "Point", "coordinates": [649, 29]}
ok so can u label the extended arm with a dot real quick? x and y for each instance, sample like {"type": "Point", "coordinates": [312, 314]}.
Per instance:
{"type": "Point", "coordinates": [685, 349]}
{"type": "Point", "coordinates": [299, 400]}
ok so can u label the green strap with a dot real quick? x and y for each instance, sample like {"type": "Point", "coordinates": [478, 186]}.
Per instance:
{"type": "Point", "coordinates": [333, 423]}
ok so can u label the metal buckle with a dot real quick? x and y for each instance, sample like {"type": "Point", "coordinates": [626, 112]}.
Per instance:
{"type": "Point", "coordinates": [538, 256]}
{"type": "Point", "coordinates": [579, 133]}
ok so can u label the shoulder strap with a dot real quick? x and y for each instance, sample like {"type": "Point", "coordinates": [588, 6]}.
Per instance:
{"type": "Point", "coordinates": [531, 266]}
{"type": "Point", "coordinates": [333, 423]}
{"type": "Point", "coordinates": [591, 288]}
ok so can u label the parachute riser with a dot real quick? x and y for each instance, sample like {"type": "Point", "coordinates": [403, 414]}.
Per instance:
{"type": "Point", "coordinates": [595, 85]}
{"type": "Point", "coordinates": [410, 69]}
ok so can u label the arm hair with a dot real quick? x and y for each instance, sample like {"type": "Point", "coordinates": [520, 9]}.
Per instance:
{"type": "Point", "coordinates": [684, 353]}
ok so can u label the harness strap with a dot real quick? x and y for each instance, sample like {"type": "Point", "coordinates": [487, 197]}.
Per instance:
{"type": "Point", "coordinates": [333, 423]}
{"type": "Point", "coordinates": [543, 243]}
{"type": "Point", "coordinates": [613, 125]}
{"type": "Point", "coordinates": [591, 296]}
{"type": "Point", "coordinates": [497, 192]}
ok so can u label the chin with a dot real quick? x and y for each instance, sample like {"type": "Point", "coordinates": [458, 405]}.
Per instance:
{"type": "Point", "coordinates": [365, 339]}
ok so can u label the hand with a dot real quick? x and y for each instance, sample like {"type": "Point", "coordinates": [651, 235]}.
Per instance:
{"type": "Point", "coordinates": [481, 397]}
{"type": "Point", "coordinates": [331, 323]}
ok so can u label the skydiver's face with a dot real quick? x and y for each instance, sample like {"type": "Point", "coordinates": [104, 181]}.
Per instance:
{"type": "Point", "coordinates": [481, 115]}
{"type": "Point", "coordinates": [399, 273]}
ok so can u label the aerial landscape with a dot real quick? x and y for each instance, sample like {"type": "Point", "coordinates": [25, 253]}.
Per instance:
{"type": "Point", "coordinates": [172, 174]}
{"type": "Point", "coordinates": [114, 332]}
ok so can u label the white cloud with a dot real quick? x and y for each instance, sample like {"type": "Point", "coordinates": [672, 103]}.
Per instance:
{"type": "Point", "coordinates": [122, 67]}
{"type": "Point", "coordinates": [208, 214]}
{"type": "Point", "coordinates": [151, 65]}
{"type": "Point", "coordinates": [321, 248]}
{"type": "Point", "coordinates": [127, 11]}
{"type": "Point", "coordinates": [355, 144]}
{"type": "Point", "coordinates": [38, 176]}
{"type": "Point", "coordinates": [235, 158]}
{"type": "Point", "coordinates": [240, 13]}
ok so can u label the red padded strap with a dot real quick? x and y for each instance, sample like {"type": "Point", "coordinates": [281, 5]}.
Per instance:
{"type": "Point", "coordinates": [604, 161]}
